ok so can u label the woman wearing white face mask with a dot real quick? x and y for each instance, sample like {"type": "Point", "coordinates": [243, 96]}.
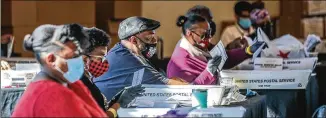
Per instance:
{"type": "Point", "coordinates": [56, 91]}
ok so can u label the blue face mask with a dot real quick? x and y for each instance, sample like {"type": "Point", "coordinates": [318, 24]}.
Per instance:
{"type": "Point", "coordinates": [245, 23]}
{"type": "Point", "coordinates": [75, 69]}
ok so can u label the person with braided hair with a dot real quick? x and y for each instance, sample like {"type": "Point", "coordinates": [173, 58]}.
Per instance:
{"type": "Point", "coordinates": [191, 59]}
{"type": "Point", "coordinates": [206, 13]}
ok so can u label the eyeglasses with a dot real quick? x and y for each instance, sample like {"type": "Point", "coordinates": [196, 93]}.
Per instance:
{"type": "Point", "coordinates": [207, 34]}
{"type": "Point", "coordinates": [151, 39]}
{"type": "Point", "coordinates": [97, 57]}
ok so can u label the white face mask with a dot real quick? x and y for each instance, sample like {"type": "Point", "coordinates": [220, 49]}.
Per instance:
{"type": "Point", "coordinates": [75, 69]}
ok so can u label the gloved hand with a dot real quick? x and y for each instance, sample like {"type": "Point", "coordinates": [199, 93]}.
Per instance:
{"type": "Point", "coordinates": [129, 94]}
{"type": "Point", "coordinates": [212, 64]}
{"type": "Point", "coordinates": [251, 93]}
{"type": "Point", "coordinates": [250, 50]}
{"type": "Point", "coordinates": [311, 42]}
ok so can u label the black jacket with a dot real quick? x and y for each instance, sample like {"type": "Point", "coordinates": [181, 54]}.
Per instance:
{"type": "Point", "coordinates": [96, 93]}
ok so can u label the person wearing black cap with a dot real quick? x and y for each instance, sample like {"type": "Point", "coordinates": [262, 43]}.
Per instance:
{"type": "Point", "coordinates": [56, 90]}
{"type": "Point", "coordinates": [233, 36]}
{"type": "Point", "coordinates": [128, 58]}
{"type": "Point", "coordinates": [96, 65]}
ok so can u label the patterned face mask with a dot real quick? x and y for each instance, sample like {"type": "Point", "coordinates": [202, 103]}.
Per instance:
{"type": "Point", "coordinates": [149, 49]}
{"type": "Point", "coordinates": [97, 67]}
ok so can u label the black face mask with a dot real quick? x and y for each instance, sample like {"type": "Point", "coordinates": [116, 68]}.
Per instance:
{"type": "Point", "coordinates": [149, 49]}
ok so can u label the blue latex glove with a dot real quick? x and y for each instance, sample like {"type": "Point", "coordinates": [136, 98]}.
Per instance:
{"type": "Point", "coordinates": [251, 93]}
{"type": "Point", "coordinates": [254, 47]}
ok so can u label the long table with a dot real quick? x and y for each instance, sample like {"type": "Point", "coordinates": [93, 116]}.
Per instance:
{"type": "Point", "coordinates": [282, 103]}
{"type": "Point", "coordinates": [293, 103]}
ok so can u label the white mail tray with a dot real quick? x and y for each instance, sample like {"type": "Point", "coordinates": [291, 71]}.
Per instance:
{"type": "Point", "coordinates": [182, 93]}
{"type": "Point", "coordinates": [260, 79]}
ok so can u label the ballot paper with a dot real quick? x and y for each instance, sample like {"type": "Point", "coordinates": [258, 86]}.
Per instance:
{"type": "Point", "coordinates": [5, 79]}
{"type": "Point", "coordinates": [17, 78]}
{"type": "Point", "coordinates": [138, 77]}
{"type": "Point", "coordinates": [258, 51]}
{"type": "Point", "coordinates": [261, 37]}
{"type": "Point", "coordinates": [28, 66]}
{"type": "Point", "coordinates": [219, 50]}
{"type": "Point", "coordinates": [10, 46]}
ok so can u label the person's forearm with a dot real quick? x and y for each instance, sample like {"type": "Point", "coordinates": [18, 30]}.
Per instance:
{"type": "Point", "coordinates": [205, 78]}
{"type": "Point", "coordinates": [112, 111]}
{"type": "Point", "coordinates": [235, 57]}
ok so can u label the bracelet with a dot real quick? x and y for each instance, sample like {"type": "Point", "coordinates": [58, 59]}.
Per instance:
{"type": "Point", "coordinates": [248, 51]}
{"type": "Point", "coordinates": [113, 111]}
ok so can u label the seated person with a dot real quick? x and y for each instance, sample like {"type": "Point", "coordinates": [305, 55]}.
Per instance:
{"type": "Point", "coordinates": [137, 43]}
{"type": "Point", "coordinates": [191, 60]}
{"type": "Point", "coordinates": [206, 13]}
{"type": "Point", "coordinates": [95, 65]}
{"type": "Point", "coordinates": [56, 91]}
{"type": "Point", "coordinates": [242, 27]}
{"type": "Point", "coordinates": [260, 18]}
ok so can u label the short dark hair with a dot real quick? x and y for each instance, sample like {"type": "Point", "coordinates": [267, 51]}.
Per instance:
{"type": "Point", "coordinates": [241, 6]}
{"type": "Point", "coordinates": [187, 22]}
{"type": "Point", "coordinates": [97, 37]}
{"type": "Point", "coordinates": [205, 12]}
{"type": "Point", "coordinates": [258, 5]}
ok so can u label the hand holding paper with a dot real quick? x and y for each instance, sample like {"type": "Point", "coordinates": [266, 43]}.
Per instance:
{"type": "Point", "coordinates": [213, 64]}
{"type": "Point", "coordinates": [254, 47]}
{"type": "Point", "coordinates": [311, 42]}
{"type": "Point", "coordinates": [219, 57]}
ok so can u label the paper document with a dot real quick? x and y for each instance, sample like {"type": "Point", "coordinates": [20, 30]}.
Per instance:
{"type": "Point", "coordinates": [219, 50]}
{"type": "Point", "coordinates": [258, 51]}
{"type": "Point", "coordinates": [138, 77]}
{"type": "Point", "coordinates": [10, 46]}
{"type": "Point", "coordinates": [28, 66]}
